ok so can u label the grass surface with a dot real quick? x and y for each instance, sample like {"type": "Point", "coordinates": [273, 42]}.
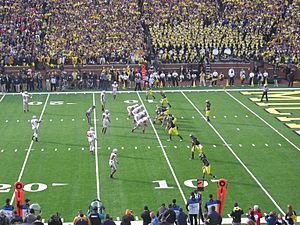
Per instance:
{"type": "Point", "coordinates": [261, 166]}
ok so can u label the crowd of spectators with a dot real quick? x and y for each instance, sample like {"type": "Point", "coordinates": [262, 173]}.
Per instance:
{"type": "Point", "coordinates": [196, 209]}
{"type": "Point", "coordinates": [51, 32]}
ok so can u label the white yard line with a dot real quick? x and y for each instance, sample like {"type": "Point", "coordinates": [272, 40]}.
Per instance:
{"type": "Point", "coordinates": [164, 153]}
{"type": "Point", "coordinates": [30, 148]}
{"type": "Point", "coordinates": [157, 91]}
{"type": "Point", "coordinates": [235, 155]}
{"type": "Point", "coordinates": [269, 125]}
{"type": "Point", "coordinates": [96, 150]}
{"type": "Point", "coordinates": [2, 98]}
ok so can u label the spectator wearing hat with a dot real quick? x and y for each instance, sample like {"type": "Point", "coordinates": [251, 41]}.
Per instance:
{"type": "Point", "coordinates": [236, 214]}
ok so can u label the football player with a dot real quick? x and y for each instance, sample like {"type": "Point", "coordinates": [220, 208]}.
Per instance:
{"type": "Point", "coordinates": [113, 162]}
{"type": "Point", "coordinates": [164, 99]}
{"type": "Point", "coordinates": [207, 110]}
{"type": "Point", "coordinates": [141, 123]}
{"type": "Point", "coordinates": [136, 110]}
{"type": "Point", "coordinates": [149, 92]}
{"type": "Point", "coordinates": [114, 89]}
{"type": "Point", "coordinates": [206, 169]}
{"type": "Point", "coordinates": [196, 146]}
{"type": "Point", "coordinates": [105, 121]}
{"type": "Point", "coordinates": [173, 129]}
{"type": "Point", "coordinates": [25, 98]}
{"type": "Point", "coordinates": [88, 114]}
{"type": "Point", "coordinates": [91, 136]}
{"type": "Point", "coordinates": [34, 125]}
{"type": "Point", "coordinates": [103, 100]}
{"type": "Point", "coordinates": [130, 109]}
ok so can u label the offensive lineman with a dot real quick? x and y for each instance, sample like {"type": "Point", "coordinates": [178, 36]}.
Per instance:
{"type": "Point", "coordinates": [88, 114]}
{"type": "Point", "coordinates": [114, 89]}
{"type": "Point", "coordinates": [207, 110]}
{"type": "Point", "coordinates": [34, 125]}
{"type": "Point", "coordinates": [25, 98]}
{"type": "Point", "coordinates": [130, 109]}
{"type": "Point", "coordinates": [196, 146]}
{"type": "Point", "coordinates": [103, 100]}
{"type": "Point", "coordinates": [105, 121]}
{"type": "Point", "coordinates": [141, 123]}
{"type": "Point", "coordinates": [113, 162]}
{"type": "Point", "coordinates": [91, 136]}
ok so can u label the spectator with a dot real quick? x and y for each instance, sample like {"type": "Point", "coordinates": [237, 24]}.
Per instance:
{"type": "Point", "coordinates": [38, 220]}
{"type": "Point", "coordinates": [81, 219]}
{"type": "Point", "coordinates": [271, 218]}
{"type": "Point", "coordinates": [16, 219]}
{"type": "Point", "coordinates": [108, 220]}
{"type": "Point", "coordinates": [169, 216]}
{"type": "Point", "coordinates": [8, 208]}
{"type": "Point", "coordinates": [146, 216]}
{"type": "Point", "coordinates": [182, 217]}
{"type": "Point", "coordinates": [31, 217]}
{"type": "Point", "coordinates": [161, 210]}
{"type": "Point", "coordinates": [154, 219]}
{"type": "Point", "coordinates": [290, 216]}
{"type": "Point", "coordinates": [213, 218]}
{"type": "Point", "coordinates": [280, 220]}
{"type": "Point", "coordinates": [4, 220]}
{"type": "Point", "coordinates": [94, 216]}
{"type": "Point", "coordinates": [211, 202]}
{"type": "Point", "coordinates": [127, 218]}
{"type": "Point", "coordinates": [55, 220]}
{"type": "Point", "coordinates": [236, 214]}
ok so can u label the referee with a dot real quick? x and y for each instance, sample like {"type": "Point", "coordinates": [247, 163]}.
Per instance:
{"type": "Point", "coordinates": [265, 93]}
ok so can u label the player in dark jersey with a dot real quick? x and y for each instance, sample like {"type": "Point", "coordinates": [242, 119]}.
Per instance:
{"type": "Point", "coordinates": [207, 110]}
{"type": "Point", "coordinates": [196, 146]}
{"type": "Point", "coordinates": [164, 99]}
{"type": "Point", "coordinates": [173, 129]}
{"type": "Point", "coordinates": [206, 169]}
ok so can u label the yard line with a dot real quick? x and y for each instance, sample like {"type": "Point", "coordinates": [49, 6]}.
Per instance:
{"type": "Point", "coordinates": [96, 150]}
{"type": "Point", "coordinates": [235, 155]}
{"type": "Point", "coordinates": [280, 134]}
{"type": "Point", "coordinates": [30, 148]}
{"type": "Point", "coordinates": [164, 152]}
{"type": "Point", "coordinates": [2, 98]}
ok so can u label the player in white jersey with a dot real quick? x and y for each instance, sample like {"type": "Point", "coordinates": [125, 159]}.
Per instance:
{"type": "Point", "coordinates": [25, 98]}
{"type": "Point", "coordinates": [141, 123]}
{"type": "Point", "coordinates": [34, 125]}
{"type": "Point", "coordinates": [103, 100]}
{"type": "Point", "coordinates": [113, 162]}
{"type": "Point", "coordinates": [139, 116]}
{"type": "Point", "coordinates": [88, 114]}
{"type": "Point", "coordinates": [105, 121]}
{"type": "Point", "coordinates": [91, 136]}
{"type": "Point", "coordinates": [137, 110]}
{"type": "Point", "coordinates": [114, 89]}
{"type": "Point", "coordinates": [130, 109]}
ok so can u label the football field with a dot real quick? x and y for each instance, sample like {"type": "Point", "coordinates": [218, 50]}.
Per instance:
{"type": "Point", "coordinates": [254, 145]}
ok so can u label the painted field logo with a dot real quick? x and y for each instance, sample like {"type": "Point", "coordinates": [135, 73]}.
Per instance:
{"type": "Point", "coordinates": [32, 187]}
{"type": "Point", "coordinates": [131, 101]}
{"type": "Point", "coordinates": [285, 105]}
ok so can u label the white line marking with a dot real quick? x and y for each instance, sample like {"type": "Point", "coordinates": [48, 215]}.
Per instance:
{"type": "Point", "coordinates": [2, 150]}
{"type": "Point", "coordinates": [96, 151]}
{"type": "Point", "coordinates": [269, 125]}
{"type": "Point", "coordinates": [279, 144]}
{"type": "Point", "coordinates": [188, 146]}
{"type": "Point", "coordinates": [235, 155]}
{"type": "Point", "coordinates": [214, 146]}
{"type": "Point", "coordinates": [61, 120]}
{"type": "Point", "coordinates": [42, 150]}
{"type": "Point", "coordinates": [164, 152]}
{"type": "Point", "coordinates": [18, 121]}
{"type": "Point", "coordinates": [237, 129]}
{"type": "Point", "coordinates": [6, 121]}
{"type": "Point", "coordinates": [122, 147]}
{"type": "Point", "coordinates": [175, 146]}
{"type": "Point", "coordinates": [135, 147]}
{"type": "Point", "coordinates": [58, 184]}
{"type": "Point", "coordinates": [2, 98]}
{"type": "Point", "coordinates": [149, 147]}
{"type": "Point", "coordinates": [240, 145]}
{"type": "Point", "coordinates": [30, 148]}
{"type": "Point", "coordinates": [266, 145]}
{"type": "Point", "coordinates": [253, 145]}
{"type": "Point", "coordinates": [73, 119]}
{"type": "Point", "coordinates": [108, 148]}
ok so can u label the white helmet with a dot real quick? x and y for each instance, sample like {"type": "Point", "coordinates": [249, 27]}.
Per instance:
{"type": "Point", "coordinates": [115, 82]}
{"type": "Point", "coordinates": [106, 111]}
{"type": "Point", "coordinates": [25, 92]}
{"type": "Point", "coordinates": [115, 150]}
{"type": "Point", "coordinates": [92, 128]}
{"type": "Point", "coordinates": [103, 91]}
{"type": "Point", "coordinates": [33, 117]}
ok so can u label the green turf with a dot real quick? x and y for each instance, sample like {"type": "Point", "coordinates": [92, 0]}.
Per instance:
{"type": "Point", "coordinates": [272, 160]}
